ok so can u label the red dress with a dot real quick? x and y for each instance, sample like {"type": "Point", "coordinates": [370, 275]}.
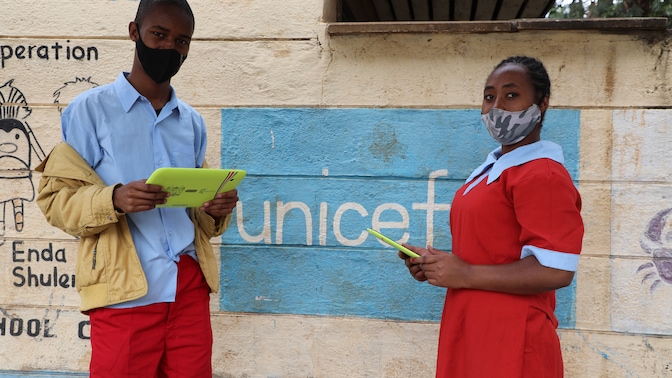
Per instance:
{"type": "Point", "coordinates": [533, 208]}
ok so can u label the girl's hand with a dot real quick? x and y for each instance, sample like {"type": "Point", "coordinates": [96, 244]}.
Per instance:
{"type": "Point", "coordinates": [441, 268]}
{"type": "Point", "coordinates": [415, 269]}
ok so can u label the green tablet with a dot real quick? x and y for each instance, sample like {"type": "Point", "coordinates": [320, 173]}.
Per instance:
{"type": "Point", "coordinates": [392, 242]}
{"type": "Point", "coordinates": [192, 187]}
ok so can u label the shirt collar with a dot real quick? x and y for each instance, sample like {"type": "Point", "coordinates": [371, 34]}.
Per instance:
{"type": "Point", "coordinates": [128, 95]}
{"type": "Point", "coordinates": [500, 162]}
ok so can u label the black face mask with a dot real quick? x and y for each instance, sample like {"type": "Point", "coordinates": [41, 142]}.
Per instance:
{"type": "Point", "coordinates": [159, 64]}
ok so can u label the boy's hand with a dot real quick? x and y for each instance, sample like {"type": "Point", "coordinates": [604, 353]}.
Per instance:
{"type": "Point", "coordinates": [137, 196]}
{"type": "Point", "coordinates": [222, 205]}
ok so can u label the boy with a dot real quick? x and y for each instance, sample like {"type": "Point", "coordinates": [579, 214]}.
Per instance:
{"type": "Point", "coordinates": [144, 274]}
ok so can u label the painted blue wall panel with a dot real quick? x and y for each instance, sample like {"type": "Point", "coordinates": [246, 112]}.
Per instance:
{"type": "Point", "coordinates": [353, 142]}
{"type": "Point", "coordinates": [325, 281]}
{"type": "Point", "coordinates": [318, 177]}
{"type": "Point", "coordinates": [565, 309]}
{"type": "Point", "coordinates": [562, 127]}
{"type": "Point", "coordinates": [371, 142]}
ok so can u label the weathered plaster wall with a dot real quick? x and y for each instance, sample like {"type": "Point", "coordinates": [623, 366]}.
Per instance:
{"type": "Point", "coordinates": [346, 125]}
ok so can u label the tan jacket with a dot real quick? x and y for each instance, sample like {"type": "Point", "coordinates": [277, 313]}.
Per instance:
{"type": "Point", "coordinates": [75, 199]}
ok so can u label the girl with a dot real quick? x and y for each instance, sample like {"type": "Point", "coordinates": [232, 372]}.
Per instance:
{"type": "Point", "coordinates": [517, 234]}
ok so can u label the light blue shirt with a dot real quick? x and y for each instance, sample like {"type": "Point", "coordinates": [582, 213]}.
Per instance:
{"type": "Point", "coordinates": [117, 131]}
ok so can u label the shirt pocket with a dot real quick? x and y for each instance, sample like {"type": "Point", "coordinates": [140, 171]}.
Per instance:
{"type": "Point", "coordinates": [183, 154]}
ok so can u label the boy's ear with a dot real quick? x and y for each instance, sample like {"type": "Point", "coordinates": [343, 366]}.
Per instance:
{"type": "Point", "coordinates": [133, 31]}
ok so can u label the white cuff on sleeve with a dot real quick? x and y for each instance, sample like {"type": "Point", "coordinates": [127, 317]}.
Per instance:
{"type": "Point", "coordinates": [552, 259]}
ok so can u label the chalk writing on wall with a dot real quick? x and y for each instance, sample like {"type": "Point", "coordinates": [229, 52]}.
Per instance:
{"type": "Point", "coordinates": [45, 326]}
{"type": "Point", "coordinates": [657, 242]}
{"type": "Point", "coordinates": [11, 325]}
{"type": "Point", "coordinates": [40, 267]}
{"type": "Point", "coordinates": [84, 330]}
{"type": "Point", "coordinates": [429, 208]}
{"type": "Point", "coordinates": [17, 146]}
{"type": "Point", "coordinates": [55, 51]}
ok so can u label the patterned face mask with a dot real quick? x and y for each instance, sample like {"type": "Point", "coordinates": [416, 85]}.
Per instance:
{"type": "Point", "coordinates": [511, 127]}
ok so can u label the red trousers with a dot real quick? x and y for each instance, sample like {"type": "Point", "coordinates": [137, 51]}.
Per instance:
{"type": "Point", "coordinates": [157, 340]}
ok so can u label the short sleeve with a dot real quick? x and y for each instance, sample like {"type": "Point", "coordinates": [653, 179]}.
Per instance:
{"type": "Point", "coordinates": [548, 208]}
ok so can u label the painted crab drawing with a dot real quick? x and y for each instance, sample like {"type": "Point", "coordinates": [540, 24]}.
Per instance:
{"type": "Point", "coordinates": [657, 242]}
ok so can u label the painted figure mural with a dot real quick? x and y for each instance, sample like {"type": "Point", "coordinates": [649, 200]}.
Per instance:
{"type": "Point", "coordinates": [17, 146]}
{"type": "Point", "coordinates": [657, 242]}
{"type": "Point", "coordinates": [70, 89]}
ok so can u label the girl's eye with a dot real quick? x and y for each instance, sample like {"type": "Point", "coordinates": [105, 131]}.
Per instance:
{"type": "Point", "coordinates": [511, 95]}
{"type": "Point", "coordinates": [488, 97]}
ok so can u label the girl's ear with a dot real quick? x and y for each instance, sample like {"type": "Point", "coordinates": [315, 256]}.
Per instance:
{"type": "Point", "coordinates": [544, 104]}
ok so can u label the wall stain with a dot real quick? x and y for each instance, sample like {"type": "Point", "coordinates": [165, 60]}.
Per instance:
{"type": "Point", "coordinates": [661, 69]}
{"type": "Point", "coordinates": [385, 145]}
{"type": "Point", "coordinates": [610, 74]}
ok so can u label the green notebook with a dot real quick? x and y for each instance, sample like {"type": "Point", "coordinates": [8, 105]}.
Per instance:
{"type": "Point", "coordinates": [192, 187]}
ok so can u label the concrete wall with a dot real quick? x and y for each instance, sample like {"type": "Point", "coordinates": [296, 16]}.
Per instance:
{"type": "Point", "coordinates": [338, 133]}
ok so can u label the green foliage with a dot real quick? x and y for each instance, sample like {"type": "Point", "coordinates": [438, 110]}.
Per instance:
{"type": "Point", "coordinates": [613, 8]}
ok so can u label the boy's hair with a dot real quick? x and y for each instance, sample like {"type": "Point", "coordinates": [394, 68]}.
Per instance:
{"type": "Point", "coordinates": [146, 6]}
{"type": "Point", "coordinates": [536, 71]}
